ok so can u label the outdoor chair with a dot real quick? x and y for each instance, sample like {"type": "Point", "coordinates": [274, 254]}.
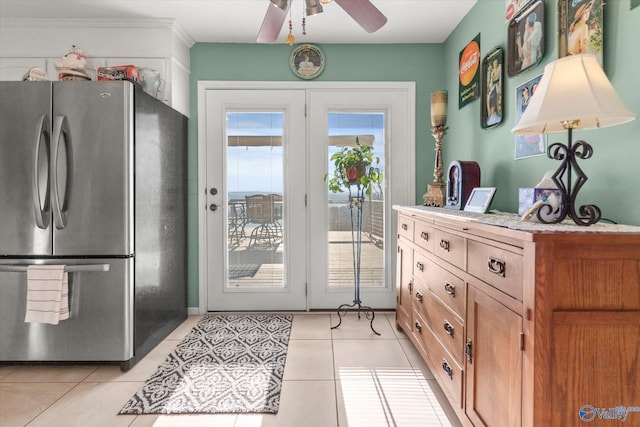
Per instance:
{"type": "Point", "coordinates": [264, 211]}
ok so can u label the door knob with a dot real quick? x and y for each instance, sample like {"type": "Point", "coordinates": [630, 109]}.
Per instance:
{"type": "Point", "coordinates": [213, 191]}
{"type": "Point", "coordinates": [213, 206]}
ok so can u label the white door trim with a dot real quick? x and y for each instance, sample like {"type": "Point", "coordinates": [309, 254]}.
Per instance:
{"type": "Point", "coordinates": [205, 85]}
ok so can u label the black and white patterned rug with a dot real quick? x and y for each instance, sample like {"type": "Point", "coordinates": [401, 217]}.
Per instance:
{"type": "Point", "coordinates": [228, 363]}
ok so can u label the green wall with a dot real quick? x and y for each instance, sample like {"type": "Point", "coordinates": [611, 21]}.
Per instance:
{"type": "Point", "coordinates": [616, 149]}
{"type": "Point", "coordinates": [434, 67]}
{"type": "Point", "coordinates": [420, 63]}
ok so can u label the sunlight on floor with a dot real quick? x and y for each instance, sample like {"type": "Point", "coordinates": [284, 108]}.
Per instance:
{"type": "Point", "coordinates": [201, 420]}
{"type": "Point", "coordinates": [379, 396]}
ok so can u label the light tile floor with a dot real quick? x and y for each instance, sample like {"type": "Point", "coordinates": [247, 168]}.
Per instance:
{"type": "Point", "coordinates": [341, 377]}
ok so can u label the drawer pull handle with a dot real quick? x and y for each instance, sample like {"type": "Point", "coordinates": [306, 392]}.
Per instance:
{"type": "Point", "coordinates": [497, 267]}
{"type": "Point", "coordinates": [418, 327]}
{"type": "Point", "coordinates": [444, 245]}
{"type": "Point", "coordinates": [419, 296]}
{"type": "Point", "coordinates": [450, 289]}
{"type": "Point", "coordinates": [410, 286]}
{"type": "Point", "coordinates": [447, 368]}
{"type": "Point", "coordinates": [420, 266]}
{"type": "Point", "coordinates": [448, 328]}
{"type": "Point", "coordinates": [405, 227]}
{"type": "Point", "coordinates": [424, 236]}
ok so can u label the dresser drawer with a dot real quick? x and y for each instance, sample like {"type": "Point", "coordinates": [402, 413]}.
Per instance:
{"type": "Point", "coordinates": [449, 288]}
{"type": "Point", "coordinates": [446, 325]}
{"type": "Point", "coordinates": [450, 247]}
{"type": "Point", "coordinates": [498, 267]}
{"type": "Point", "coordinates": [422, 267]}
{"type": "Point", "coordinates": [405, 227]}
{"type": "Point", "coordinates": [445, 368]}
{"type": "Point", "coordinates": [423, 235]}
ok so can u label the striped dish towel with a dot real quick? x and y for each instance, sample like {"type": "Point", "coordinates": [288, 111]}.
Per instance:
{"type": "Point", "coordinates": [47, 294]}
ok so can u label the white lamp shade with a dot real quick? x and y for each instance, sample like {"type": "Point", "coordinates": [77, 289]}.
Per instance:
{"type": "Point", "coordinates": [573, 88]}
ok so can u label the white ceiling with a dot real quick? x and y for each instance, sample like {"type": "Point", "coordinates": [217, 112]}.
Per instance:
{"type": "Point", "coordinates": [238, 21]}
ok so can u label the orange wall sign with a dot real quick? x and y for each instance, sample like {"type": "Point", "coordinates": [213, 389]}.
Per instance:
{"type": "Point", "coordinates": [469, 66]}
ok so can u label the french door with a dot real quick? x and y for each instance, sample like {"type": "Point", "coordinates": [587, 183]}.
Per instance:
{"type": "Point", "coordinates": [256, 182]}
{"type": "Point", "coordinates": [271, 236]}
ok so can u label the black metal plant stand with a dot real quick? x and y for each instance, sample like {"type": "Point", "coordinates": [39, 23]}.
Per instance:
{"type": "Point", "coordinates": [355, 204]}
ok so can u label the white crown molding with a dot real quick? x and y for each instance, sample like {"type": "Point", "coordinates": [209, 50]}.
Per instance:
{"type": "Point", "coordinates": [69, 23]}
{"type": "Point", "coordinates": [182, 35]}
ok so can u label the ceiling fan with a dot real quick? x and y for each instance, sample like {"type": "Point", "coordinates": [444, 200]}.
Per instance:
{"type": "Point", "coordinates": [362, 11]}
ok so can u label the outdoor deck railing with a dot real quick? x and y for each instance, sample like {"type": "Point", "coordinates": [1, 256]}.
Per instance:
{"type": "Point", "coordinates": [372, 217]}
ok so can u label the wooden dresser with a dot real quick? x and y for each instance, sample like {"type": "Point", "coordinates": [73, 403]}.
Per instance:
{"type": "Point", "coordinates": [522, 324]}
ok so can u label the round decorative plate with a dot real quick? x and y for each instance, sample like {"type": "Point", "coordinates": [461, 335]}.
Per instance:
{"type": "Point", "coordinates": [307, 61]}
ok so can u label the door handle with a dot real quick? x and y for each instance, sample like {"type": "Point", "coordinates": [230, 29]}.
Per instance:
{"type": "Point", "coordinates": [213, 207]}
{"type": "Point", "coordinates": [42, 220]}
{"type": "Point", "coordinates": [74, 268]}
{"type": "Point", "coordinates": [60, 128]}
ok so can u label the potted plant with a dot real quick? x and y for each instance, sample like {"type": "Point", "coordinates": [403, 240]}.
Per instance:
{"type": "Point", "coordinates": [354, 165]}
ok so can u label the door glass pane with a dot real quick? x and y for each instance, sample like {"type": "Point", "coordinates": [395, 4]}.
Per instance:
{"type": "Point", "coordinates": [254, 183]}
{"type": "Point", "coordinates": [343, 130]}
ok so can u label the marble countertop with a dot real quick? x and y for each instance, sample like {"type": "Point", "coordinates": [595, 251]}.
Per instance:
{"type": "Point", "coordinates": [513, 221]}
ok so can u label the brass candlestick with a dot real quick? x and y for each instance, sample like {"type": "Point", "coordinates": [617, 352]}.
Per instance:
{"type": "Point", "coordinates": [435, 195]}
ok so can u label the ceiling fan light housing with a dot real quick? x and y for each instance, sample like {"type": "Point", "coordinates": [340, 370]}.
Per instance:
{"type": "Point", "coordinates": [282, 4]}
{"type": "Point", "coordinates": [313, 7]}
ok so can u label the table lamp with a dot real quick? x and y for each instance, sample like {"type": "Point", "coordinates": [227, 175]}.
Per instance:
{"type": "Point", "coordinates": [574, 93]}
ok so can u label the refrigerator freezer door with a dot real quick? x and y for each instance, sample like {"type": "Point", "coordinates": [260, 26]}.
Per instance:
{"type": "Point", "coordinates": [100, 326]}
{"type": "Point", "coordinates": [25, 215]}
{"type": "Point", "coordinates": [92, 168]}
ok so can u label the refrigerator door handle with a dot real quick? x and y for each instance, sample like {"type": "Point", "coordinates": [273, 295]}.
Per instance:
{"type": "Point", "coordinates": [41, 210]}
{"type": "Point", "coordinates": [79, 268]}
{"type": "Point", "coordinates": [61, 135]}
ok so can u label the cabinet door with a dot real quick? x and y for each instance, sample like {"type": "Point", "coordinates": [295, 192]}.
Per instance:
{"type": "Point", "coordinates": [493, 362]}
{"type": "Point", "coordinates": [404, 285]}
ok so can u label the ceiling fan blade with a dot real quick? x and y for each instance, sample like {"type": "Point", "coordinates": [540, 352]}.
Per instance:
{"type": "Point", "coordinates": [272, 23]}
{"type": "Point", "coordinates": [364, 13]}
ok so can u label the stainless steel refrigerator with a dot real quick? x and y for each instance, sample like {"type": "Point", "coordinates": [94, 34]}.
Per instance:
{"type": "Point", "coordinates": [93, 177]}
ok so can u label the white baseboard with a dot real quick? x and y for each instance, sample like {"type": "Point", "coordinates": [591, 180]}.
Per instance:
{"type": "Point", "coordinates": [193, 311]}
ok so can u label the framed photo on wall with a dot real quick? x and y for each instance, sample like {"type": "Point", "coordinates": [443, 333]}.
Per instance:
{"type": "Point", "coordinates": [581, 28]}
{"type": "Point", "coordinates": [527, 145]}
{"type": "Point", "coordinates": [469, 72]}
{"type": "Point", "coordinates": [525, 38]}
{"type": "Point", "coordinates": [492, 89]}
